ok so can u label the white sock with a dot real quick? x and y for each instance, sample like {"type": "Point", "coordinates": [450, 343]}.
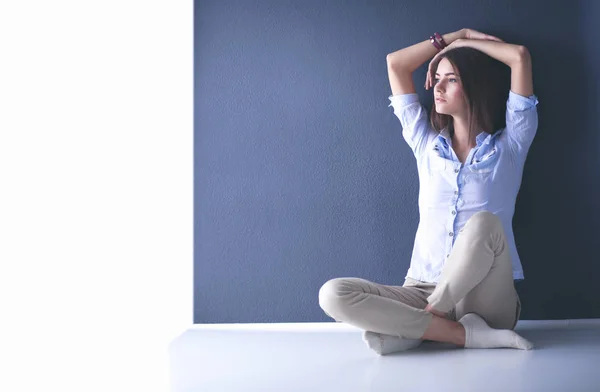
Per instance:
{"type": "Point", "coordinates": [481, 335]}
{"type": "Point", "coordinates": [385, 344]}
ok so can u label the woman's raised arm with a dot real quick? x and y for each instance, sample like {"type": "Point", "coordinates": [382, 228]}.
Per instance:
{"type": "Point", "coordinates": [517, 57]}
{"type": "Point", "coordinates": [402, 63]}
{"type": "Point", "coordinates": [412, 57]}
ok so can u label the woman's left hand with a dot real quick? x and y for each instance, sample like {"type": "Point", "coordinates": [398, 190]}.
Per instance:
{"type": "Point", "coordinates": [436, 59]}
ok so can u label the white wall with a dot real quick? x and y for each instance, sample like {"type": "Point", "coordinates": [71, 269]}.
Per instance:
{"type": "Point", "coordinates": [96, 217]}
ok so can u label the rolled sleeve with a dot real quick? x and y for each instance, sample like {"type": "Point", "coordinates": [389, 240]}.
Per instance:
{"type": "Point", "coordinates": [519, 103]}
{"type": "Point", "coordinates": [521, 123]}
{"type": "Point", "coordinates": [414, 120]}
{"type": "Point", "coordinates": [397, 101]}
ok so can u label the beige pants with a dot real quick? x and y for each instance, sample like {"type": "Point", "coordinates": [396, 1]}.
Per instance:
{"type": "Point", "coordinates": [477, 278]}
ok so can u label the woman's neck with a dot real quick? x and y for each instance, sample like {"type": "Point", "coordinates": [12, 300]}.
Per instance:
{"type": "Point", "coordinates": [460, 135]}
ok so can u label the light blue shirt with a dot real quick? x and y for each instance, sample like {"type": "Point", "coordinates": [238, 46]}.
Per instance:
{"type": "Point", "coordinates": [450, 192]}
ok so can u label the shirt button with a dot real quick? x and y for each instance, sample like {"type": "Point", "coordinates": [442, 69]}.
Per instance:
{"type": "Point", "coordinates": [453, 212]}
{"type": "Point", "coordinates": [455, 170]}
{"type": "Point", "coordinates": [456, 192]}
{"type": "Point", "coordinates": [451, 234]}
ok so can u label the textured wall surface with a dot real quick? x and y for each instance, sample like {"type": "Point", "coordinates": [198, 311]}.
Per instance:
{"type": "Point", "coordinates": [302, 175]}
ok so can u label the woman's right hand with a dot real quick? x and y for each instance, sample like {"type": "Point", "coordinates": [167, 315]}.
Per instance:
{"type": "Point", "coordinates": [474, 34]}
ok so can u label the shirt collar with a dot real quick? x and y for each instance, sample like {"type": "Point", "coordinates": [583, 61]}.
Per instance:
{"type": "Point", "coordinates": [483, 137]}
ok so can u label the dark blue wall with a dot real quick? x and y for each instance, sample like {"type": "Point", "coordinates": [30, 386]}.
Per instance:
{"type": "Point", "coordinates": [302, 175]}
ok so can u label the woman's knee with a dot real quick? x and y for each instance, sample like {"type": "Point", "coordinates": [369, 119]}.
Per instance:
{"type": "Point", "coordinates": [332, 292]}
{"type": "Point", "coordinates": [484, 221]}
{"type": "Point", "coordinates": [483, 218]}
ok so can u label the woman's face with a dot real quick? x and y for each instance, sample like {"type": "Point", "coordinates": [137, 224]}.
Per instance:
{"type": "Point", "coordinates": [447, 90]}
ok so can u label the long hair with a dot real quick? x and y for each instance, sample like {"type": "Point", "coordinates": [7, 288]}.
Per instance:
{"type": "Point", "coordinates": [485, 84]}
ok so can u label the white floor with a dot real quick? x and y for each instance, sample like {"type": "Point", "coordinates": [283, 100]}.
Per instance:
{"type": "Point", "coordinates": [332, 357]}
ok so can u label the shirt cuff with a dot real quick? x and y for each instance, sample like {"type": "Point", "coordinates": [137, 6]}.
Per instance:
{"type": "Point", "coordinates": [403, 99]}
{"type": "Point", "coordinates": [520, 102]}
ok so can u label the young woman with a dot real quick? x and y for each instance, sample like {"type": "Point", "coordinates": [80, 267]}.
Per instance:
{"type": "Point", "coordinates": [470, 155]}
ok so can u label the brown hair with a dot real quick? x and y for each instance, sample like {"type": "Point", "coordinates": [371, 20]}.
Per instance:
{"type": "Point", "coordinates": [485, 83]}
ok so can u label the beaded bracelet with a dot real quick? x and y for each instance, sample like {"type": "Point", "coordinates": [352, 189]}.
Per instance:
{"type": "Point", "coordinates": [440, 40]}
{"type": "Point", "coordinates": [436, 44]}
